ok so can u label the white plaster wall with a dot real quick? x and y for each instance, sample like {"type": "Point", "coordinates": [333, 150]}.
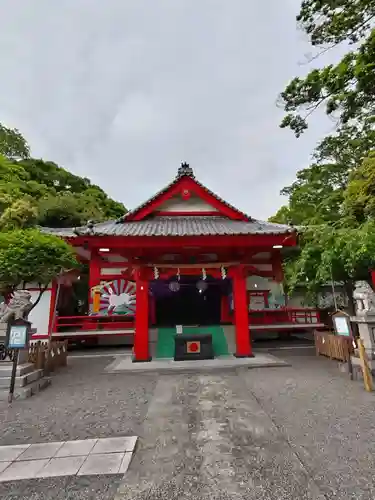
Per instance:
{"type": "Point", "coordinates": [39, 316]}
{"type": "Point", "coordinates": [263, 267]}
{"type": "Point", "coordinates": [193, 204]}
{"type": "Point", "coordinates": [262, 255]}
{"type": "Point", "coordinates": [105, 271]}
{"type": "Point", "coordinates": [116, 258]}
{"type": "Point", "coordinates": [297, 300]}
{"type": "Point", "coordinates": [276, 289]}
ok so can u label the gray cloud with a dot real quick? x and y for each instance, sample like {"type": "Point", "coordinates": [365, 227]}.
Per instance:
{"type": "Point", "coordinates": [121, 92]}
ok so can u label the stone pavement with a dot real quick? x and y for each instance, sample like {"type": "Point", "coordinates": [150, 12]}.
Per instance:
{"type": "Point", "coordinates": [69, 458]}
{"type": "Point", "coordinates": [261, 360]}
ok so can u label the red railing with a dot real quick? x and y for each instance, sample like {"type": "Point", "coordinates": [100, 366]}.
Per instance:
{"type": "Point", "coordinates": [96, 323]}
{"type": "Point", "coordinates": [284, 316]}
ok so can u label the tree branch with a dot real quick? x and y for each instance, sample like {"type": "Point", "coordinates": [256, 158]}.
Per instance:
{"type": "Point", "coordinates": [42, 289]}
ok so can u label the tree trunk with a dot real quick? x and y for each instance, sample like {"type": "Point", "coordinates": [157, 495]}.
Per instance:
{"type": "Point", "coordinates": [41, 291]}
{"type": "Point", "coordinates": [349, 289]}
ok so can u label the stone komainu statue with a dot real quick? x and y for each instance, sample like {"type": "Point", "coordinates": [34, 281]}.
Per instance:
{"type": "Point", "coordinates": [18, 306]}
{"type": "Point", "coordinates": [364, 296]}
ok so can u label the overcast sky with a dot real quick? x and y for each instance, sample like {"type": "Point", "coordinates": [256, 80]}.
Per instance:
{"type": "Point", "coordinates": [122, 91]}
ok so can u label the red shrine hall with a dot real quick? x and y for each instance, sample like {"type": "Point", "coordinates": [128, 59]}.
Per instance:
{"type": "Point", "coordinates": [185, 260]}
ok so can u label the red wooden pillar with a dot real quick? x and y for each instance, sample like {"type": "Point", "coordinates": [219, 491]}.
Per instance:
{"type": "Point", "coordinates": [225, 316]}
{"type": "Point", "coordinates": [141, 348]}
{"type": "Point", "coordinates": [94, 274]}
{"type": "Point", "coordinates": [52, 327]}
{"type": "Point", "coordinates": [373, 278]}
{"type": "Point", "coordinates": [277, 267]}
{"type": "Point", "coordinates": [241, 314]}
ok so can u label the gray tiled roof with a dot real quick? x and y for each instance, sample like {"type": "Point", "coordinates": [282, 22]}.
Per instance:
{"type": "Point", "coordinates": [176, 226]}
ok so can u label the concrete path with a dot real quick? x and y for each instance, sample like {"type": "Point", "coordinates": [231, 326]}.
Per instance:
{"type": "Point", "coordinates": [207, 437]}
{"type": "Point", "coordinates": [260, 360]}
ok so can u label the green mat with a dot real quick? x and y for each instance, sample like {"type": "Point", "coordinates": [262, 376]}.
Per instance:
{"type": "Point", "coordinates": [165, 342]}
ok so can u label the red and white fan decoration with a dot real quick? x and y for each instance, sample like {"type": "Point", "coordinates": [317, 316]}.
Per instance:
{"type": "Point", "coordinates": [118, 297]}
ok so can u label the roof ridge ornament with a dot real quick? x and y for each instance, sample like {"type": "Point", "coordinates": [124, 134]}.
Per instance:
{"type": "Point", "coordinates": [185, 169]}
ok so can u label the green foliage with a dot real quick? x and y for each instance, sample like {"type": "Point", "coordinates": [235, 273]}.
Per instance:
{"type": "Point", "coordinates": [335, 21]}
{"type": "Point", "coordinates": [346, 89]}
{"type": "Point", "coordinates": [12, 144]}
{"type": "Point", "coordinates": [31, 256]}
{"type": "Point", "coordinates": [360, 193]}
{"type": "Point", "coordinates": [332, 200]}
{"type": "Point", "coordinates": [38, 192]}
{"type": "Point", "coordinates": [339, 253]}
{"type": "Point", "coordinates": [333, 205]}
{"type": "Point", "coordinates": [22, 213]}
{"type": "Point", "coordinates": [317, 194]}
{"type": "Point", "coordinates": [66, 210]}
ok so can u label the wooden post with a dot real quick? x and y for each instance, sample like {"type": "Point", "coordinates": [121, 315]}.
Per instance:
{"type": "Point", "coordinates": [141, 348]}
{"type": "Point", "coordinates": [241, 314]}
{"type": "Point", "coordinates": [367, 375]}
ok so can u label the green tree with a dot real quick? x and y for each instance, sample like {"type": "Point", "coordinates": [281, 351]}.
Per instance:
{"type": "Point", "coordinates": [12, 144]}
{"type": "Point", "coordinates": [64, 198]}
{"type": "Point", "coordinates": [29, 256]}
{"type": "Point", "coordinates": [315, 197]}
{"type": "Point", "coordinates": [20, 214]}
{"type": "Point", "coordinates": [359, 200]}
{"type": "Point", "coordinates": [317, 194]}
{"type": "Point", "coordinates": [342, 249]}
{"type": "Point", "coordinates": [332, 199]}
{"type": "Point", "coordinates": [332, 252]}
{"type": "Point", "coordinates": [66, 210]}
{"type": "Point", "coordinates": [60, 198]}
{"type": "Point", "coordinates": [346, 90]}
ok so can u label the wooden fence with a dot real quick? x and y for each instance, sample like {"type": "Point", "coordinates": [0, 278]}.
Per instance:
{"type": "Point", "coordinates": [333, 346]}
{"type": "Point", "coordinates": [48, 356]}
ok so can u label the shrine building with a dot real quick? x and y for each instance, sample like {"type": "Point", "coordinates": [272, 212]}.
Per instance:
{"type": "Point", "coordinates": [183, 259]}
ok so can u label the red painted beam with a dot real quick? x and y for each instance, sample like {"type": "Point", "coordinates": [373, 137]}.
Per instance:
{"type": "Point", "coordinates": [183, 242]}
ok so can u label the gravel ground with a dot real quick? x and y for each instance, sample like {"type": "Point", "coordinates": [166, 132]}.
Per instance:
{"type": "Point", "coordinates": [327, 420]}
{"type": "Point", "coordinates": [301, 432]}
{"type": "Point", "coordinates": [82, 402]}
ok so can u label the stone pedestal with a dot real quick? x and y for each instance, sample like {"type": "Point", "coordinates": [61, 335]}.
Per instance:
{"type": "Point", "coordinates": [23, 356]}
{"type": "Point", "coordinates": [3, 332]}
